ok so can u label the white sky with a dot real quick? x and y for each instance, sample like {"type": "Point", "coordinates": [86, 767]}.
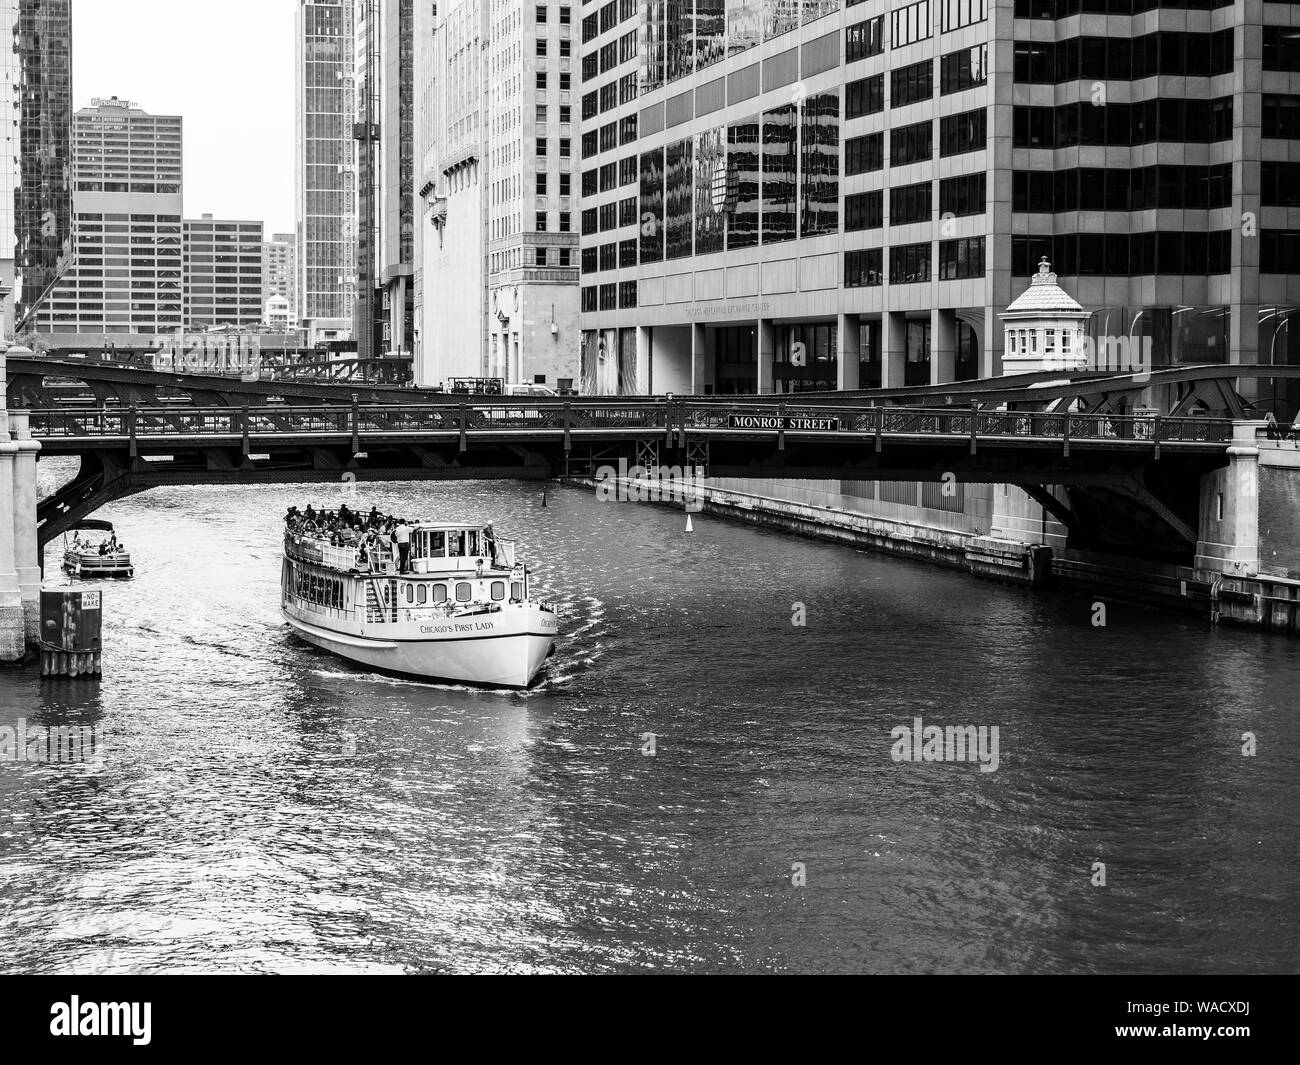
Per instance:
{"type": "Point", "coordinates": [227, 67]}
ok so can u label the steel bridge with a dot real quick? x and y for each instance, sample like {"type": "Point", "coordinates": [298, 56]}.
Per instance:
{"type": "Point", "coordinates": [1130, 480]}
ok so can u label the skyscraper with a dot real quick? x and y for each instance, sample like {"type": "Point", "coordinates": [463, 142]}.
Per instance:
{"type": "Point", "coordinates": [127, 277]}
{"type": "Point", "coordinates": [36, 241]}
{"type": "Point", "coordinates": [385, 174]}
{"type": "Point", "coordinates": [498, 155]}
{"type": "Point", "coordinates": [326, 170]}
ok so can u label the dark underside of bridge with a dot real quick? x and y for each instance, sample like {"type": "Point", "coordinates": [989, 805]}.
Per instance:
{"type": "Point", "coordinates": [1123, 501]}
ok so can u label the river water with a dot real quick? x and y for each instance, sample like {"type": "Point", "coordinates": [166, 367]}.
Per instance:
{"type": "Point", "coordinates": [258, 806]}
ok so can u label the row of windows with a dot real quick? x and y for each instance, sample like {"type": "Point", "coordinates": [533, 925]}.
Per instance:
{"type": "Point", "coordinates": [1167, 52]}
{"type": "Point", "coordinates": [1190, 121]}
{"type": "Point", "coordinates": [958, 134]}
{"type": "Point", "coordinates": [1059, 9]}
{"type": "Point", "coordinates": [1125, 254]}
{"type": "Point", "coordinates": [1123, 189]}
{"type": "Point", "coordinates": [769, 179]}
{"type": "Point", "coordinates": [608, 297]}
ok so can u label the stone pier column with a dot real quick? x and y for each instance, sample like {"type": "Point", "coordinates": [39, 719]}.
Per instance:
{"type": "Point", "coordinates": [848, 341]}
{"type": "Point", "coordinates": [893, 349]}
{"type": "Point", "coordinates": [12, 639]}
{"type": "Point", "coordinates": [27, 561]}
{"type": "Point", "coordinates": [943, 346]}
{"type": "Point", "coordinates": [701, 363]}
{"type": "Point", "coordinates": [765, 341]}
{"type": "Point", "coordinates": [644, 361]}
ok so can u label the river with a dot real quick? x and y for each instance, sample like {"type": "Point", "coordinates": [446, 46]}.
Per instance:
{"type": "Point", "coordinates": [697, 783]}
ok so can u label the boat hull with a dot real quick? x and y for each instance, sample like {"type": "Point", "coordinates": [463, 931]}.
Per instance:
{"type": "Point", "coordinates": [509, 656]}
{"type": "Point", "coordinates": [93, 566]}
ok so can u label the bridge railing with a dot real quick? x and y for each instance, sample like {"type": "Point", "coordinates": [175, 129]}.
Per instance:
{"type": "Point", "coordinates": [634, 414]}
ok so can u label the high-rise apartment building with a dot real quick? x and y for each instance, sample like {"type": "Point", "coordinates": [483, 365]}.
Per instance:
{"type": "Point", "coordinates": [783, 197]}
{"type": "Point", "coordinates": [498, 156]}
{"type": "Point", "coordinates": [279, 271]}
{"type": "Point", "coordinates": [36, 238]}
{"type": "Point", "coordinates": [223, 273]}
{"type": "Point", "coordinates": [127, 274]}
{"type": "Point", "coordinates": [325, 173]}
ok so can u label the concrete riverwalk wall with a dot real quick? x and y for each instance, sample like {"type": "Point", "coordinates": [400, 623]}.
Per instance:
{"type": "Point", "coordinates": [1246, 569]}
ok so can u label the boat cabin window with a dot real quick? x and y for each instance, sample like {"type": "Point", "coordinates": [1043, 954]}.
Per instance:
{"type": "Point", "coordinates": [463, 592]}
{"type": "Point", "coordinates": [516, 589]}
{"type": "Point", "coordinates": [430, 544]}
{"type": "Point", "coordinates": [498, 590]}
{"type": "Point", "coordinates": [421, 594]}
{"type": "Point", "coordinates": [465, 544]}
{"type": "Point", "coordinates": [410, 594]}
{"type": "Point", "coordinates": [439, 593]}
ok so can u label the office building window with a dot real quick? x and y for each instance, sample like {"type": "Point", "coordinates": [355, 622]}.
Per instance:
{"type": "Point", "coordinates": [961, 133]}
{"type": "Point", "coordinates": [909, 263]}
{"type": "Point", "coordinates": [744, 179]}
{"type": "Point", "coordinates": [864, 154]}
{"type": "Point", "coordinates": [959, 13]}
{"type": "Point", "coordinates": [910, 203]}
{"type": "Point", "coordinates": [911, 83]}
{"type": "Point", "coordinates": [652, 206]}
{"type": "Point", "coordinates": [864, 39]}
{"type": "Point", "coordinates": [779, 167]}
{"type": "Point", "coordinates": [866, 96]}
{"type": "Point", "coordinates": [820, 170]}
{"type": "Point", "coordinates": [864, 210]}
{"type": "Point", "coordinates": [962, 195]}
{"type": "Point", "coordinates": [910, 143]}
{"type": "Point", "coordinates": [627, 293]}
{"type": "Point", "coordinates": [541, 221]}
{"type": "Point", "coordinates": [678, 199]}
{"type": "Point", "coordinates": [710, 209]}
{"type": "Point", "coordinates": [961, 258]}
{"type": "Point", "coordinates": [964, 69]}
{"type": "Point", "coordinates": [909, 24]}
{"type": "Point", "coordinates": [862, 268]}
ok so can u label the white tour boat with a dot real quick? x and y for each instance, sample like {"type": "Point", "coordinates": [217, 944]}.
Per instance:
{"type": "Point", "coordinates": [91, 551]}
{"type": "Point", "coordinates": [462, 613]}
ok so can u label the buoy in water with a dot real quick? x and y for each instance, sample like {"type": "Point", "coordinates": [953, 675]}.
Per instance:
{"type": "Point", "coordinates": [689, 526]}
{"type": "Point", "coordinates": [543, 497]}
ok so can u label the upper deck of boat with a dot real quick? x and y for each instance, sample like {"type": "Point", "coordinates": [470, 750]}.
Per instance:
{"type": "Point", "coordinates": [436, 549]}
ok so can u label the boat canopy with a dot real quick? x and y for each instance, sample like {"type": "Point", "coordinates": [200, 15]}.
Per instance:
{"type": "Point", "coordinates": [92, 523]}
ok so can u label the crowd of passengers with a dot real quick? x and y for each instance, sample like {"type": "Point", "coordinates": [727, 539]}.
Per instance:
{"type": "Point", "coordinates": [367, 533]}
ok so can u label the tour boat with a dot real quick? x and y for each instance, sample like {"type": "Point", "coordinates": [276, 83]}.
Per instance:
{"type": "Point", "coordinates": [93, 551]}
{"type": "Point", "coordinates": [462, 613]}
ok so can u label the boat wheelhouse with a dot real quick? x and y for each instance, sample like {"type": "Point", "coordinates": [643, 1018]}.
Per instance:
{"type": "Point", "coordinates": [460, 610]}
{"type": "Point", "coordinates": [91, 551]}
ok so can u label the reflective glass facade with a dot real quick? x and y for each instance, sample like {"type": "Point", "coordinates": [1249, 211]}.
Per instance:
{"type": "Point", "coordinates": [37, 182]}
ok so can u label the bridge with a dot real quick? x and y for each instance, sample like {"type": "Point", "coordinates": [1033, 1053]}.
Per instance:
{"type": "Point", "coordinates": [1121, 477]}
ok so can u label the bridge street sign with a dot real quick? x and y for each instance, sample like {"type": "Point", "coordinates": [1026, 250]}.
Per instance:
{"type": "Point", "coordinates": [786, 422]}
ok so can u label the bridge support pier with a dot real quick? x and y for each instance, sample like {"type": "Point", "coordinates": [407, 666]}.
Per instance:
{"type": "Point", "coordinates": [1228, 535]}
{"type": "Point", "coordinates": [13, 642]}
{"type": "Point", "coordinates": [27, 562]}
